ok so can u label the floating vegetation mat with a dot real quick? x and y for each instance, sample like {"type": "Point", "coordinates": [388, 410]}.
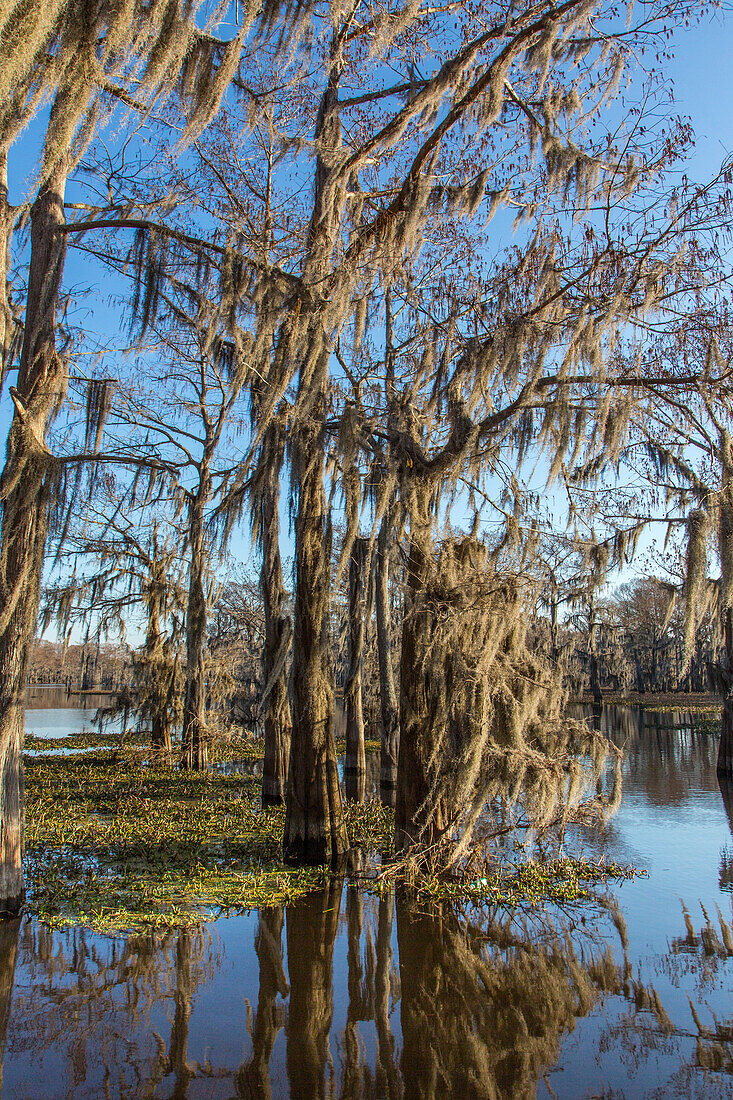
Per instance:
{"type": "Point", "coordinates": [115, 844]}
{"type": "Point", "coordinates": [527, 884]}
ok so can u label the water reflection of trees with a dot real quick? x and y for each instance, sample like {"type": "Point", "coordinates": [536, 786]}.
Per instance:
{"type": "Point", "coordinates": [88, 1001]}
{"type": "Point", "coordinates": [700, 1047]}
{"type": "Point", "coordinates": [466, 1006]}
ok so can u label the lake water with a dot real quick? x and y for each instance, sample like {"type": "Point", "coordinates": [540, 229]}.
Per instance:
{"type": "Point", "coordinates": [51, 712]}
{"type": "Point", "coordinates": [346, 995]}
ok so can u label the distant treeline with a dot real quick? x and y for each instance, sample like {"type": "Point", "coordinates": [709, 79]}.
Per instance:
{"type": "Point", "coordinates": [79, 667]}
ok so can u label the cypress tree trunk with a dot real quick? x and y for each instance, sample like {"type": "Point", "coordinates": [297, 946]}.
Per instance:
{"type": "Point", "coordinates": [725, 745]}
{"type": "Point", "coordinates": [278, 629]}
{"type": "Point", "coordinates": [23, 490]}
{"type": "Point", "coordinates": [9, 932]}
{"type": "Point", "coordinates": [194, 747]}
{"type": "Point", "coordinates": [413, 779]}
{"type": "Point", "coordinates": [387, 693]}
{"type": "Point", "coordinates": [387, 690]}
{"type": "Point", "coordinates": [355, 770]}
{"type": "Point", "coordinates": [7, 326]}
{"type": "Point", "coordinates": [160, 733]}
{"type": "Point", "coordinates": [725, 548]}
{"type": "Point", "coordinates": [314, 827]}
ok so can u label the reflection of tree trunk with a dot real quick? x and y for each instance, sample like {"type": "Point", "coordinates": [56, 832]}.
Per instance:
{"type": "Point", "coordinates": [725, 746]}
{"type": "Point", "coordinates": [278, 628]}
{"type": "Point", "coordinates": [311, 931]}
{"type": "Point", "coordinates": [41, 384]}
{"type": "Point", "coordinates": [178, 1057]}
{"type": "Point", "coordinates": [355, 1011]}
{"type": "Point", "coordinates": [355, 765]}
{"type": "Point", "coordinates": [9, 930]}
{"type": "Point", "coordinates": [195, 750]}
{"type": "Point", "coordinates": [254, 1079]}
{"type": "Point", "coordinates": [421, 966]}
{"type": "Point", "coordinates": [387, 691]}
{"type": "Point", "coordinates": [387, 1075]}
{"type": "Point", "coordinates": [413, 779]}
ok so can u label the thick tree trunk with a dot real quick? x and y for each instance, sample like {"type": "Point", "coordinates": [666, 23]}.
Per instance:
{"type": "Point", "coordinates": [311, 931]}
{"type": "Point", "coordinates": [387, 691]}
{"type": "Point", "coordinates": [725, 745]}
{"type": "Point", "coordinates": [23, 490]}
{"type": "Point", "coordinates": [160, 733]}
{"type": "Point", "coordinates": [314, 828]}
{"type": "Point", "coordinates": [254, 1078]}
{"type": "Point", "coordinates": [9, 932]}
{"type": "Point", "coordinates": [194, 747]}
{"type": "Point", "coordinates": [355, 766]}
{"type": "Point", "coordinates": [413, 778]}
{"type": "Point", "coordinates": [278, 630]}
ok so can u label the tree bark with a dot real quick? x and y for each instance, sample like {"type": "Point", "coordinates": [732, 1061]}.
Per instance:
{"type": "Point", "coordinates": [725, 745]}
{"type": "Point", "coordinates": [24, 491]}
{"type": "Point", "coordinates": [413, 778]}
{"type": "Point", "coordinates": [355, 767]}
{"type": "Point", "coordinates": [9, 933]}
{"type": "Point", "coordinates": [278, 629]}
{"type": "Point", "coordinates": [387, 691]}
{"type": "Point", "coordinates": [194, 747]}
{"type": "Point", "coordinates": [160, 732]}
{"type": "Point", "coordinates": [314, 827]}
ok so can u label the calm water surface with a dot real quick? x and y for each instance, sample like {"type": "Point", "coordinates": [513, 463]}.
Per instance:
{"type": "Point", "coordinates": [51, 712]}
{"type": "Point", "coordinates": [347, 995]}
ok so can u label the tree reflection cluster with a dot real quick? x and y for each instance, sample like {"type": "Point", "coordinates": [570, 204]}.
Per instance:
{"type": "Point", "coordinates": [437, 1004]}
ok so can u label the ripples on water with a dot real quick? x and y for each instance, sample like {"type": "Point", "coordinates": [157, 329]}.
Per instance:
{"type": "Point", "coordinates": [347, 995]}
